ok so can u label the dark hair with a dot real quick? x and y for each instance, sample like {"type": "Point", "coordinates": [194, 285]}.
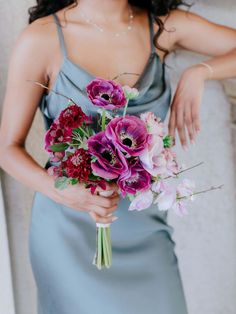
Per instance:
{"type": "Point", "coordinates": [157, 7]}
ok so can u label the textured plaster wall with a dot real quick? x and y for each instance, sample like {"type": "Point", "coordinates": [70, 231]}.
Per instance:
{"type": "Point", "coordinates": [206, 239]}
{"type": "Point", "coordinates": [17, 198]}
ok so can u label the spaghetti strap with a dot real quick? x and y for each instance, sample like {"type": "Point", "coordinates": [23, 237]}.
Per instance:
{"type": "Point", "coordinates": [151, 21]}
{"type": "Point", "coordinates": [60, 35]}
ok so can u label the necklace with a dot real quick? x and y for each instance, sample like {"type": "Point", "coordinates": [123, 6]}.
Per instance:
{"type": "Point", "coordinates": [101, 29]}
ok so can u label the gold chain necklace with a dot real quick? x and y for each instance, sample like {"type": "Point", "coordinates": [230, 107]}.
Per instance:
{"type": "Point", "coordinates": [101, 29]}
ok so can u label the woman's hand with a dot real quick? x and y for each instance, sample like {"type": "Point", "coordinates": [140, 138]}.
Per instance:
{"type": "Point", "coordinates": [99, 207]}
{"type": "Point", "coordinates": [186, 105]}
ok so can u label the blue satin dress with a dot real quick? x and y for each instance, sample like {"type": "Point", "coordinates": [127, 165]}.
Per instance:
{"type": "Point", "coordinates": [144, 277]}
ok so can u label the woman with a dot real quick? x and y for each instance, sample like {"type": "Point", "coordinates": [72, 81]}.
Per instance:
{"type": "Point", "coordinates": [65, 46]}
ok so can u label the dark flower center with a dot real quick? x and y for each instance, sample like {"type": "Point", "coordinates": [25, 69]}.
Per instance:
{"type": "Point", "coordinates": [109, 156]}
{"type": "Point", "coordinates": [127, 142]}
{"type": "Point", "coordinates": [105, 96]}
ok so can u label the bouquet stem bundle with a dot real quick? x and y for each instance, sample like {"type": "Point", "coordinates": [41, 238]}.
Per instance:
{"type": "Point", "coordinates": [103, 255]}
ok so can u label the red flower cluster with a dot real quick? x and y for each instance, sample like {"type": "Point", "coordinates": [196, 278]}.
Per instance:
{"type": "Point", "coordinates": [78, 165]}
{"type": "Point", "coordinates": [73, 117]}
{"type": "Point", "coordinates": [61, 129]}
{"type": "Point", "coordinates": [56, 135]}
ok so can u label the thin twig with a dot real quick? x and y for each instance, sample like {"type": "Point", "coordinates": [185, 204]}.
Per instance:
{"type": "Point", "coordinates": [204, 191]}
{"type": "Point", "coordinates": [124, 73]}
{"type": "Point", "coordinates": [176, 174]}
{"type": "Point", "coordinates": [40, 84]}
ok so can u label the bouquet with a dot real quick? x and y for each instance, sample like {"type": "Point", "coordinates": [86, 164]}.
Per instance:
{"type": "Point", "coordinates": [131, 151]}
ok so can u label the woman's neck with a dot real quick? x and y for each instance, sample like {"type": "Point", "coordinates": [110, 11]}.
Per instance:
{"type": "Point", "coordinates": [104, 10]}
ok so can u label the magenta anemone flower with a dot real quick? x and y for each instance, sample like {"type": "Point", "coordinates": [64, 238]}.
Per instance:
{"type": "Point", "coordinates": [110, 162]}
{"type": "Point", "coordinates": [136, 179]}
{"type": "Point", "coordinates": [129, 133]}
{"type": "Point", "coordinates": [106, 94]}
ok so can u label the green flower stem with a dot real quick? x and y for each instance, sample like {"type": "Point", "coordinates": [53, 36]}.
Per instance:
{"type": "Point", "coordinates": [103, 119]}
{"type": "Point", "coordinates": [105, 251]}
{"type": "Point", "coordinates": [75, 144]}
{"type": "Point", "coordinates": [85, 133]}
{"type": "Point", "coordinates": [125, 108]}
{"type": "Point", "coordinates": [109, 243]}
{"type": "Point", "coordinates": [107, 246]}
{"type": "Point", "coordinates": [99, 249]}
{"type": "Point", "coordinates": [103, 255]}
{"type": "Point", "coordinates": [77, 139]}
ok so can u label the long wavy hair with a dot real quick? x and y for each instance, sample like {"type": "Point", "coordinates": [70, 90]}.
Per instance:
{"type": "Point", "coordinates": [157, 7]}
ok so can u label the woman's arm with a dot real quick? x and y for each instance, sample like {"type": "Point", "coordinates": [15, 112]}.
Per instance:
{"type": "Point", "coordinates": [194, 33]}
{"type": "Point", "coordinates": [30, 60]}
{"type": "Point", "coordinates": [19, 107]}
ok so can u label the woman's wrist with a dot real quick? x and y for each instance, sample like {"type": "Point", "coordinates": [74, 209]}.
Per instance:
{"type": "Point", "coordinates": [203, 71]}
{"type": "Point", "coordinates": [46, 185]}
{"type": "Point", "coordinates": [197, 72]}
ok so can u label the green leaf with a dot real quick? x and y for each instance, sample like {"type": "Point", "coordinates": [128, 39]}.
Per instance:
{"type": "Point", "coordinates": [62, 183]}
{"type": "Point", "coordinates": [74, 181]}
{"type": "Point", "coordinates": [168, 141]}
{"type": "Point", "coordinates": [130, 197]}
{"type": "Point", "coordinates": [59, 147]}
{"type": "Point", "coordinates": [93, 158]}
{"type": "Point", "coordinates": [68, 154]}
{"type": "Point", "coordinates": [92, 177]}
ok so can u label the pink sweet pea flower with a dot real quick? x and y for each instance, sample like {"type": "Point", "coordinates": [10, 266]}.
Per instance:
{"type": "Point", "coordinates": [184, 194]}
{"type": "Point", "coordinates": [186, 188]}
{"type": "Point", "coordinates": [142, 201]}
{"type": "Point", "coordinates": [172, 167]}
{"type": "Point", "coordinates": [166, 197]}
{"type": "Point", "coordinates": [180, 208]}
{"type": "Point", "coordinates": [153, 124]}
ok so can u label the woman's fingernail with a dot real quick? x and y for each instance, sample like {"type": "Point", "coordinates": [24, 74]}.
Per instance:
{"type": "Point", "coordinates": [185, 147]}
{"type": "Point", "coordinates": [193, 142]}
{"type": "Point", "coordinates": [114, 218]}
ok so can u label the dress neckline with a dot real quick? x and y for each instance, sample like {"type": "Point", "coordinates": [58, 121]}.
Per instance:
{"type": "Point", "coordinates": [77, 66]}
{"type": "Point", "coordinates": [66, 61]}
{"type": "Point", "coordinates": [92, 76]}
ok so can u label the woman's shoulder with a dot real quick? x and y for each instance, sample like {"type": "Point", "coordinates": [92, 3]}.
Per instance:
{"type": "Point", "coordinates": [179, 19]}
{"type": "Point", "coordinates": [41, 32]}
{"type": "Point", "coordinates": [37, 41]}
{"type": "Point", "coordinates": [174, 24]}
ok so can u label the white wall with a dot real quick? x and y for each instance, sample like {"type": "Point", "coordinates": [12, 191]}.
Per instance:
{"type": "Point", "coordinates": [17, 198]}
{"type": "Point", "coordinates": [206, 239]}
